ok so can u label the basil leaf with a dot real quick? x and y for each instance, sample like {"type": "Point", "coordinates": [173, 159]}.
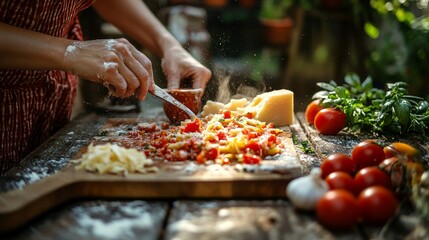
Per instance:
{"type": "Point", "coordinates": [367, 84]}
{"type": "Point", "coordinates": [352, 80]}
{"type": "Point", "coordinates": [326, 86]}
{"type": "Point", "coordinates": [342, 92]}
{"type": "Point", "coordinates": [411, 97]}
{"type": "Point", "coordinates": [402, 110]}
{"type": "Point", "coordinates": [320, 94]}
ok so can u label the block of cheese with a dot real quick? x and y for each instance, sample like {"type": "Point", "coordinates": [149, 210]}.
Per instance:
{"type": "Point", "coordinates": [212, 107]}
{"type": "Point", "coordinates": [236, 104]}
{"type": "Point", "coordinates": [275, 106]}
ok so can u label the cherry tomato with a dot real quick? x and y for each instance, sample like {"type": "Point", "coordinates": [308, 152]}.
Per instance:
{"type": "Point", "coordinates": [194, 126]}
{"type": "Point", "coordinates": [341, 180]}
{"type": "Point", "coordinates": [367, 154]}
{"type": "Point", "coordinates": [312, 109]}
{"type": "Point", "coordinates": [336, 162]}
{"type": "Point", "coordinates": [338, 209]}
{"type": "Point", "coordinates": [377, 204]}
{"type": "Point", "coordinates": [393, 167]}
{"type": "Point", "coordinates": [371, 176]}
{"type": "Point", "coordinates": [330, 121]}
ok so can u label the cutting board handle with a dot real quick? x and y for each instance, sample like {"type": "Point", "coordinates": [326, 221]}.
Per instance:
{"type": "Point", "coordinates": [19, 206]}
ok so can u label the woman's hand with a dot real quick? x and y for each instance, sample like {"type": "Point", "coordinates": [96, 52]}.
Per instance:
{"type": "Point", "coordinates": [115, 63]}
{"type": "Point", "coordinates": [178, 65]}
{"type": "Point", "coordinates": [136, 20]}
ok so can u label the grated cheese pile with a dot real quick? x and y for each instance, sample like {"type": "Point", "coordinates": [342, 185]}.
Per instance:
{"type": "Point", "coordinates": [111, 158]}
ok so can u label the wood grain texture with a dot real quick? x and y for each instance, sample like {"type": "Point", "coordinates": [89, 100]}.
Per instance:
{"type": "Point", "coordinates": [98, 219]}
{"type": "Point", "coordinates": [245, 219]}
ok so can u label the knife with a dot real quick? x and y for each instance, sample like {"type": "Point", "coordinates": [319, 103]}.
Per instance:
{"type": "Point", "coordinates": [160, 93]}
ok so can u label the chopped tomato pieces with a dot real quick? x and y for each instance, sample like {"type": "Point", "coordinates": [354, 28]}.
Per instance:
{"type": "Point", "coordinates": [251, 159]}
{"type": "Point", "coordinates": [249, 115]}
{"type": "Point", "coordinates": [160, 142]}
{"type": "Point", "coordinates": [221, 136]}
{"type": "Point", "coordinates": [227, 114]}
{"type": "Point", "coordinates": [212, 154]}
{"type": "Point", "coordinates": [254, 147]}
{"type": "Point", "coordinates": [194, 126]}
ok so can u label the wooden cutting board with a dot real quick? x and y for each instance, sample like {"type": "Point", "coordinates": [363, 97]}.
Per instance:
{"type": "Point", "coordinates": [173, 180]}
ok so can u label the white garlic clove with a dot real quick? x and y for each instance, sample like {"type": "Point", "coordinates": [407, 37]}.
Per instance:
{"type": "Point", "coordinates": [304, 192]}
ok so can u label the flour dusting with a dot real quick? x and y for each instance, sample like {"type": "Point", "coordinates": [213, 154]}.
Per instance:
{"type": "Point", "coordinates": [110, 43]}
{"type": "Point", "coordinates": [115, 220]}
{"type": "Point", "coordinates": [70, 48]}
{"type": "Point", "coordinates": [109, 65]}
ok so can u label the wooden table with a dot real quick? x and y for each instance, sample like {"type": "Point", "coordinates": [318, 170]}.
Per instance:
{"type": "Point", "coordinates": [186, 218]}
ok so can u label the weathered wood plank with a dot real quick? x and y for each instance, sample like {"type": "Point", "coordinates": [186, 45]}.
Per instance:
{"type": "Point", "coordinates": [308, 160]}
{"type": "Point", "coordinates": [239, 219]}
{"type": "Point", "coordinates": [98, 219]}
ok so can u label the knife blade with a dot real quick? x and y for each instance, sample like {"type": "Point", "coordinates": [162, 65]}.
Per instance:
{"type": "Point", "coordinates": [160, 93]}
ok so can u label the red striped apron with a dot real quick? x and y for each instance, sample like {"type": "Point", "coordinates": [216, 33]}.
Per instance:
{"type": "Point", "coordinates": [35, 104]}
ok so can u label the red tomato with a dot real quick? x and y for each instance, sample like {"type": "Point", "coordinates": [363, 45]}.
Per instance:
{"type": "Point", "coordinates": [194, 126]}
{"type": "Point", "coordinates": [377, 204]}
{"type": "Point", "coordinates": [312, 109]}
{"type": "Point", "coordinates": [341, 180]}
{"type": "Point", "coordinates": [336, 162]}
{"type": "Point", "coordinates": [272, 140]}
{"type": "Point", "coordinates": [221, 136]}
{"type": "Point", "coordinates": [371, 176]}
{"type": "Point", "coordinates": [330, 121]}
{"type": "Point", "coordinates": [367, 154]}
{"type": "Point", "coordinates": [338, 209]}
{"type": "Point", "coordinates": [227, 114]}
{"type": "Point", "coordinates": [393, 166]}
{"type": "Point", "coordinates": [254, 147]}
{"type": "Point", "coordinates": [252, 159]}
{"type": "Point", "coordinates": [212, 153]}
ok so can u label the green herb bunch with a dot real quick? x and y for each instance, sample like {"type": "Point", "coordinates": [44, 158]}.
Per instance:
{"type": "Point", "coordinates": [372, 109]}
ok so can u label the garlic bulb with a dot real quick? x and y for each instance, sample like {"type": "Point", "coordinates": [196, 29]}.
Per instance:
{"type": "Point", "coordinates": [304, 192]}
{"type": "Point", "coordinates": [424, 180]}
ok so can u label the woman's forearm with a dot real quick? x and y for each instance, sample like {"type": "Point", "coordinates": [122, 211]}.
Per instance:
{"type": "Point", "coordinates": [136, 20]}
{"type": "Point", "coordinates": [24, 49]}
